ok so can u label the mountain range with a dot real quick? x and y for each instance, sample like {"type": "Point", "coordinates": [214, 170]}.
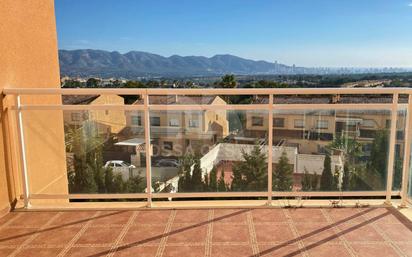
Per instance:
{"type": "Point", "coordinates": [87, 62]}
{"type": "Point", "coordinates": [99, 63]}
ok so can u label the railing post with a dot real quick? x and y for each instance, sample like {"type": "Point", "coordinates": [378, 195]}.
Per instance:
{"type": "Point", "coordinates": [392, 142]}
{"type": "Point", "coordinates": [147, 149]}
{"type": "Point", "coordinates": [406, 154]}
{"type": "Point", "coordinates": [22, 155]}
{"type": "Point", "coordinates": [270, 149]}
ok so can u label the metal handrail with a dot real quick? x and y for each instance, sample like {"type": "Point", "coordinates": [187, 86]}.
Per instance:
{"type": "Point", "coordinates": [204, 91]}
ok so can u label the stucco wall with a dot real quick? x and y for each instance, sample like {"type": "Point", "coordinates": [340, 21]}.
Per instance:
{"type": "Point", "coordinates": [29, 58]}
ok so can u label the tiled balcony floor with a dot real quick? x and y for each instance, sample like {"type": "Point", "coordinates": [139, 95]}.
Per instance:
{"type": "Point", "coordinates": [214, 232]}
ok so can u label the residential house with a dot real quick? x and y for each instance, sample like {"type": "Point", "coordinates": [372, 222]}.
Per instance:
{"type": "Point", "coordinates": [174, 133]}
{"type": "Point", "coordinates": [106, 121]}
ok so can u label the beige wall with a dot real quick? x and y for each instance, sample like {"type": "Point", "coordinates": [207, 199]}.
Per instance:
{"type": "Point", "coordinates": [108, 121]}
{"type": "Point", "coordinates": [29, 58]}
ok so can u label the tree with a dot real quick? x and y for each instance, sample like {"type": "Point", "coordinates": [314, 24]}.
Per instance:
{"type": "Point", "coordinates": [228, 81]}
{"type": "Point", "coordinates": [378, 161]}
{"type": "Point", "coordinates": [135, 184]}
{"type": "Point", "coordinates": [88, 174]}
{"type": "Point", "coordinates": [251, 173]}
{"type": "Point", "coordinates": [326, 179]}
{"type": "Point", "coordinates": [350, 148]}
{"type": "Point", "coordinates": [336, 180]}
{"type": "Point", "coordinates": [185, 173]}
{"type": "Point", "coordinates": [314, 182]}
{"type": "Point", "coordinates": [346, 178]}
{"type": "Point", "coordinates": [196, 180]}
{"type": "Point", "coordinates": [92, 83]}
{"type": "Point", "coordinates": [134, 84]}
{"type": "Point", "coordinates": [213, 180]}
{"type": "Point", "coordinates": [81, 180]}
{"type": "Point", "coordinates": [283, 175]}
{"type": "Point", "coordinates": [221, 185]}
{"type": "Point", "coordinates": [306, 181]}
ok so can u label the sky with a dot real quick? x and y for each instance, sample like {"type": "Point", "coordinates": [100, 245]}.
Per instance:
{"type": "Point", "coordinates": [311, 33]}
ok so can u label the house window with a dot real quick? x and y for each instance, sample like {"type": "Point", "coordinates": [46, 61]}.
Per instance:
{"type": "Point", "coordinates": [167, 145]}
{"type": "Point", "coordinates": [257, 121]}
{"type": "Point", "coordinates": [368, 123]}
{"type": "Point", "coordinates": [106, 112]}
{"type": "Point", "coordinates": [388, 124]}
{"type": "Point", "coordinates": [76, 116]}
{"type": "Point", "coordinates": [298, 124]}
{"type": "Point", "coordinates": [193, 123]}
{"type": "Point", "coordinates": [322, 124]}
{"type": "Point", "coordinates": [174, 123]}
{"type": "Point", "coordinates": [155, 121]}
{"type": "Point", "coordinates": [279, 122]}
{"type": "Point", "coordinates": [137, 120]}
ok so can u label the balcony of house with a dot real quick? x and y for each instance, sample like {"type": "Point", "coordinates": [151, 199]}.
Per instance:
{"type": "Point", "coordinates": [172, 172]}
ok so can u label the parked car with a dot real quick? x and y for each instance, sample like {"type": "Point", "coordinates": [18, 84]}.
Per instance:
{"type": "Point", "coordinates": [122, 167]}
{"type": "Point", "coordinates": [167, 163]}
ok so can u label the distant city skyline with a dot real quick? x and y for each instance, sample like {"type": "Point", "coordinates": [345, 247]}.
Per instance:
{"type": "Point", "coordinates": [316, 33]}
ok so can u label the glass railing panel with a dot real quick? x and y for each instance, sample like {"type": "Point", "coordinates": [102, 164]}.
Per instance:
{"type": "Point", "coordinates": [102, 99]}
{"type": "Point", "coordinates": [105, 151]}
{"type": "Point", "coordinates": [399, 149]}
{"type": "Point", "coordinates": [333, 99]}
{"type": "Point", "coordinates": [44, 152]}
{"type": "Point", "coordinates": [330, 150]}
{"type": "Point", "coordinates": [209, 151]}
{"type": "Point", "coordinates": [207, 99]}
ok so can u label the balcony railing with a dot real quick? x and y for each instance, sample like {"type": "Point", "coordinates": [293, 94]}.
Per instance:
{"type": "Point", "coordinates": [151, 145]}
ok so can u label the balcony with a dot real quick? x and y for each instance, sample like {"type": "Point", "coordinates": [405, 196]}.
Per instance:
{"type": "Point", "coordinates": [157, 172]}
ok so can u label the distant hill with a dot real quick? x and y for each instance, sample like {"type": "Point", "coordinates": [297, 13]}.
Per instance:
{"type": "Point", "coordinates": [137, 64]}
{"type": "Point", "coordinates": [99, 63]}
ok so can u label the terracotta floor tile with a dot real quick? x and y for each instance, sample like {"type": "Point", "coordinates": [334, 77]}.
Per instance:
{"type": "Point", "coordinates": [232, 250]}
{"type": "Point", "coordinates": [39, 252]}
{"type": "Point", "coordinates": [54, 236]}
{"type": "Point", "coordinates": [15, 236]}
{"type": "Point", "coordinates": [279, 250]}
{"type": "Point", "coordinates": [406, 248]}
{"type": "Point", "coordinates": [186, 251]}
{"type": "Point", "coordinates": [382, 216]}
{"type": "Point", "coordinates": [140, 251]}
{"type": "Point", "coordinates": [397, 232]}
{"type": "Point", "coordinates": [33, 219]}
{"type": "Point", "coordinates": [374, 250]}
{"type": "Point", "coordinates": [187, 233]}
{"type": "Point", "coordinates": [364, 233]}
{"type": "Point", "coordinates": [268, 215]}
{"type": "Point", "coordinates": [306, 215]}
{"type": "Point", "coordinates": [4, 252]}
{"type": "Point", "coordinates": [274, 233]}
{"type": "Point", "coordinates": [72, 218]}
{"type": "Point", "coordinates": [191, 216]}
{"type": "Point", "coordinates": [138, 235]}
{"type": "Point", "coordinates": [230, 233]}
{"type": "Point", "coordinates": [230, 216]}
{"type": "Point", "coordinates": [328, 251]}
{"type": "Point", "coordinates": [346, 215]}
{"type": "Point", "coordinates": [317, 232]}
{"type": "Point", "coordinates": [8, 217]}
{"type": "Point", "coordinates": [87, 251]}
{"type": "Point", "coordinates": [152, 217]}
{"type": "Point", "coordinates": [112, 218]}
{"type": "Point", "coordinates": [99, 235]}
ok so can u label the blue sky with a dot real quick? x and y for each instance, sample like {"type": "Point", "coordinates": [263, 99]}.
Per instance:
{"type": "Point", "coordinates": [335, 33]}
